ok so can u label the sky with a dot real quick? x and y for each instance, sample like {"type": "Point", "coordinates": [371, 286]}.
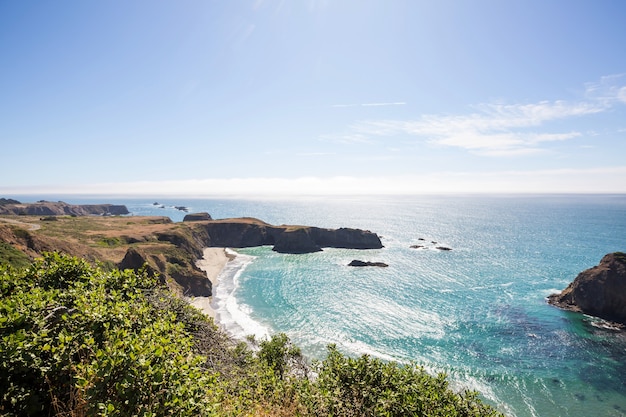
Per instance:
{"type": "Point", "coordinates": [264, 97]}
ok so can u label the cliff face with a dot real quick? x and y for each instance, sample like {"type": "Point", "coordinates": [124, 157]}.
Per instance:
{"type": "Point", "coordinates": [241, 233]}
{"type": "Point", "coordinates": [184, 279]}
{"type": "Point", "coordinates": [48, 208]}
{"type": "Point", "coordinates": [599, 291]}
{"type": "Point", "coordinates": [169, 249]}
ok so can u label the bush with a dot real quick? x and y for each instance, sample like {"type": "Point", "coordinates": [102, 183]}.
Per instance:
{"type": "Point", "coordinates": [80, 341]}
{"type": "Point", "coordinates": [76, 340]}
{"type": "Point", "coordinates": [367, 386]}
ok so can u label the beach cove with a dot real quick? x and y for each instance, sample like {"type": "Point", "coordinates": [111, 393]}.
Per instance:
{"type": "Point", "coordinates": [212, 263]}
{"type": "Point", "coordinates": [477, 312]}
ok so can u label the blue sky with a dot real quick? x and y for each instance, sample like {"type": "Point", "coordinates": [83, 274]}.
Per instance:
{"type": "Point", "coordinates": [216, 97]}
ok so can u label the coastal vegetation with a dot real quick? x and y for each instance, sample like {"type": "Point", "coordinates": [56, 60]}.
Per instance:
{"type": "Point", "coordinates": [79, 339]}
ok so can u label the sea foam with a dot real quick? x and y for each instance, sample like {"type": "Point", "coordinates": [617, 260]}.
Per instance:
{"type": "Point", "coordinates": [231, 315]}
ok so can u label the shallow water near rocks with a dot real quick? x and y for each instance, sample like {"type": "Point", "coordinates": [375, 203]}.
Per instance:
{"type": "Point", "coordinates": [477, 312]}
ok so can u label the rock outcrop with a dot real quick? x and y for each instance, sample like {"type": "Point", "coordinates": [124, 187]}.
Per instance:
{"type": "Point", "coordinates": [248, 232]}
{"type": "Point", "coordinates": [297, 240]}
{"type": "Point", "coordinates": [185, 277]}
{"type": "Point", "coordinates": [168, 249]}
{"type": "Point", "coordinates": [599, 291]}
{"type": "Point", "coordinates": [357, 262]}
{"type": "Point", "coordinates": [196, 217]}
{"type": "Point", "coordinates": [60, 208]}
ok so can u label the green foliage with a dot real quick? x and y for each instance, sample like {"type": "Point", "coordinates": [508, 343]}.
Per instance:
{"type": "Point", "coordinates": [110, 241]}
{"type": "Point", "coordinates": [11, 256]}
{"type": "Point", "coordinates": [76, 340]}
{"type": "Point", "coordinates": [366, 386]}
{"type": "Point", "coordinates": [279, 354]}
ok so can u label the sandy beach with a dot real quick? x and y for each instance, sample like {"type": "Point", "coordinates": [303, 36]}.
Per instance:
{"type": "Point", "coordinates": [212, 263]}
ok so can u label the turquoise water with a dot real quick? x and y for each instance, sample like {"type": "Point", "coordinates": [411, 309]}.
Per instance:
{"type": "Point", "coordinates": [477, 312]}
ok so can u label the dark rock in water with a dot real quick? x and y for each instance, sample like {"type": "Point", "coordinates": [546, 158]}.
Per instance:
{"type": "Point", "coordinates": [599, 291]}
{"type": "Point", "coordinates": [156, 203]}
{"type": "Point", "coordinates": [417, 246]}
{"type": "Point", "coordinates": [421, 238]}
{"type": "Point", "coordinates": [196, 217]}
{"type": "Point", "coordinates": [181, 208]}
{"type": "Point", "coordinates": [443, 248]}
{"type": "Point", "coordinates": [356, 262]}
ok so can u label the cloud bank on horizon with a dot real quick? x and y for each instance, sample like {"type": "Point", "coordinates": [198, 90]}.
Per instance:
{"type": "Point", "coordinates": [266, 97]}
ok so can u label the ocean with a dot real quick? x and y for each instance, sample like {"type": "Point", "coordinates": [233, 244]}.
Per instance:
{"type": "Point", "coordinates": [477, 312]}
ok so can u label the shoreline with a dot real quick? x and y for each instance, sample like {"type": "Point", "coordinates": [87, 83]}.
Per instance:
{"type": "Point", "coordinates": [212, 263]}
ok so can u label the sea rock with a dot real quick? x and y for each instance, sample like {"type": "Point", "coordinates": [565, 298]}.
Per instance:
{"type": "Point", "coordinates": [196, 217]}
{"type": "Point", "coordinates": [357, 262]}
{"type": "Point", "coordinates": [599, 291]}
{"type": "Point", "coordinates": [443, 248]}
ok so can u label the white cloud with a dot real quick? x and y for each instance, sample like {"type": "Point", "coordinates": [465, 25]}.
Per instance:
{"type": "Point", "coordinates": [497, 129]}
{"type": "Point", "coordinates": [609, 89]}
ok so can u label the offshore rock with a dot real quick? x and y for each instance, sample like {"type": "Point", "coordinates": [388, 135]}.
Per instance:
{"type": "Point", "coordinates": [356, 262]}
{"type": "Point", "coordinates": [599, 291]}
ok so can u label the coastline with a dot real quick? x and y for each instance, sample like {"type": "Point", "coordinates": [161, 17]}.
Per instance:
{"type": "Point", "coordinates": [212, 263]}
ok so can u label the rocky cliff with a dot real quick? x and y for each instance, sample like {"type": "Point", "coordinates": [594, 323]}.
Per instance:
{"type": "Point", "coordinates": [248, 232]}
{"type": "Point", "coordinates": [166, 248]}
{"type": "Point", "coordinates": [60, 208]}
{"type": "Point", "coordinates": [599, 291]}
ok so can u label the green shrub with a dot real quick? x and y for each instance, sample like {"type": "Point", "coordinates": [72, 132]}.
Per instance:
{"type": "Point", "coordinates": [367, 386]}
{"type": "Point", "coordinates": [9, 255]}
{"type": "Point", "coordinates": [76, 340]}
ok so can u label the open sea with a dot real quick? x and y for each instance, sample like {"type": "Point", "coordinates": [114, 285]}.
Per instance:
{"type": "Point", "coordinates": [477, 312]}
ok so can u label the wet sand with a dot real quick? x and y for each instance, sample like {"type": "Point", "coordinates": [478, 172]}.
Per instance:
{"type": "Point", "coordinates": [212, 263]}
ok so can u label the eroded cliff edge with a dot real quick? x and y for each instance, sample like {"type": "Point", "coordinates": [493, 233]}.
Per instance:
{"type": "Point", "coordinates": [249, 232]}
{"type": "Point", "coordinates": [50, 208]}
{"type": "Point", "coordinates": [161, 246]}
{"type": "Point", "coordinates": [599, 291]}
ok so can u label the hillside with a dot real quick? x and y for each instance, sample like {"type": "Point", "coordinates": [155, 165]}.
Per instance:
{"type": "Point", "coordinates": [169, 249]}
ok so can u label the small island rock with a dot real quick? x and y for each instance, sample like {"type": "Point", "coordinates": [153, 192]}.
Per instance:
{"type": "Point", "coordinates": [357, 262]}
